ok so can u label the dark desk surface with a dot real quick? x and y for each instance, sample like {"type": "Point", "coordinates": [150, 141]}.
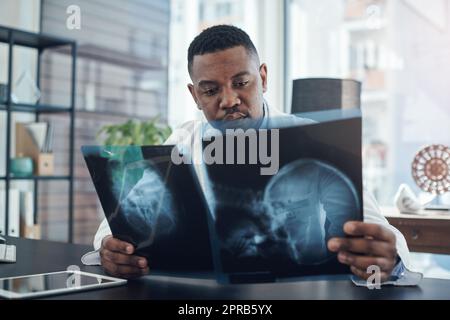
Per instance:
{"type": "Point", "coordinates": [44, 256]}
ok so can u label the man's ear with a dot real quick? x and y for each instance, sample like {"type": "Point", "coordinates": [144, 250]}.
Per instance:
{"type": "Point", "coordinates": [263, 74]}
{"type": "Point", "coordinates": [192, 91]}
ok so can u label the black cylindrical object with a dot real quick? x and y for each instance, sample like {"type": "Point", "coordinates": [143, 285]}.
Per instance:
{"type": "Point", "coordinates": [318, 94]}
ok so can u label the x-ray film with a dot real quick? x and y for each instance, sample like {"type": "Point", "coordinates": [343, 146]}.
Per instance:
{"type": "Point", "coordinates": [278, 225]}
{"type": "Point", "coordinates": [154, 205]}
{"type": "Point", "coordinates": [241, 217]}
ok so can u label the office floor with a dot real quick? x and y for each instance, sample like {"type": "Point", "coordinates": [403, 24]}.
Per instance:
{"type": "Point", "coordinates": [432, 265]}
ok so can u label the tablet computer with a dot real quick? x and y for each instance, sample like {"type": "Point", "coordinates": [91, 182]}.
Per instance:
{"type": "Point", "coordinates": [38, 285]}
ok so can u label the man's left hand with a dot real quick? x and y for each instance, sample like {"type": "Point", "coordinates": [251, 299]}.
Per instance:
{"type": "Point", "coordinates": [373, 245]}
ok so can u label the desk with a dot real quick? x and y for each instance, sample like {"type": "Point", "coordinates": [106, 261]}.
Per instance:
{"type": "Point", "coordinates": [35, 256]}
{"type": "Point", "coordinates": [428, 231]}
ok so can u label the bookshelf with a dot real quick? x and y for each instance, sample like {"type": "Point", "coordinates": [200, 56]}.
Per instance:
{"type": "Point", "coordinates": [39, 42]}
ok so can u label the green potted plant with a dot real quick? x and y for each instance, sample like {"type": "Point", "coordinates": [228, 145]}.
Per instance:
{"type": "Point", "coordinates": [132, 132]}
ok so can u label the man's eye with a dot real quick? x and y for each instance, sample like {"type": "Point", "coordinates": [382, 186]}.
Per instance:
{"type": "Point", "coordinates": [241, 84]}
{"type": "Point", "coordinates": [210, 92]}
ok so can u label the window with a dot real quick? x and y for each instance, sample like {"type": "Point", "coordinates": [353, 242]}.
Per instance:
{"type": "Point", "coordinates": [196, 16]}
{"type": "Point", "coordinates": [223, 9]}
{"type": "Point", "coordinates": [398, 50]}
{"type": "Point", "coordinates": [261, 19]}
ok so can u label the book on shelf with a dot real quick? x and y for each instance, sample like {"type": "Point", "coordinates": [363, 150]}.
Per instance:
{"type": "Point", "coordinates": [2, 212]}
{"type": "Point", "coordinates": [20, 214]}
{"type": "Point", "coordinates": [13, 213]}
{"type": "Point", "coordinates": [27, 227]}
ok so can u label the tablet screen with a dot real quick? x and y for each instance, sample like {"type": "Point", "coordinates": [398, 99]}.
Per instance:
{"type": "Point", "coordinates": [50, 283]}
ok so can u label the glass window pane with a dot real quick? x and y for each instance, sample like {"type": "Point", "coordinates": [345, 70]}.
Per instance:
{"type": "Point", "coordinates": [399, 51]}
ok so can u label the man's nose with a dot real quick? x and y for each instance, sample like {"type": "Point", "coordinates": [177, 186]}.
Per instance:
{"type": "Point", "coordinates": [229, 99]}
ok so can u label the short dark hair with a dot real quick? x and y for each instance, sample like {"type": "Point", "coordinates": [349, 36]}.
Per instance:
{"type": "Point", "coordinates": [218, 38]}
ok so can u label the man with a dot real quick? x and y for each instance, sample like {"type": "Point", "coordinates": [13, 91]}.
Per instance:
{"type": "Point", "coordinates": [228, 83]}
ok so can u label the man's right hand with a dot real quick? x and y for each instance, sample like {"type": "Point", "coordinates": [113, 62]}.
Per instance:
{"type": "Point", "coordinates": [118, 260]}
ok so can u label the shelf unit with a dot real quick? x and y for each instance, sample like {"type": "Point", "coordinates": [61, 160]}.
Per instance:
{"type": "Point", "coordinates": [40, 42]}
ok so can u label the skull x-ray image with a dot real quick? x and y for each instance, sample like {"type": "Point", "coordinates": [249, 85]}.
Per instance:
{"type": "Point", "coordinates": [310, 201]}
{"type": "Point", "coordinates": [280, 224]}
{"type": "Point", "coordinates": [300, 208]}
{"type": "Point", "coordinates": [244, 226]}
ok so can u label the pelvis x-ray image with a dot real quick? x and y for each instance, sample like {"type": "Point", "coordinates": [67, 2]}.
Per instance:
{"type": "Point", "coordinates": [290, 219]}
